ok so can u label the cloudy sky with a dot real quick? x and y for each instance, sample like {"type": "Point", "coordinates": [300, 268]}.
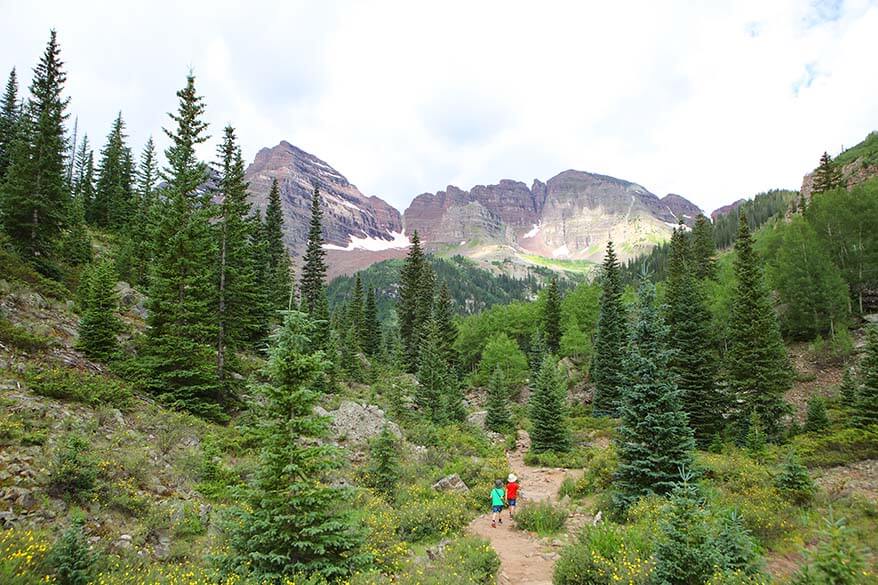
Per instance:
{"type": "Point", "coordinates": [712, 100]}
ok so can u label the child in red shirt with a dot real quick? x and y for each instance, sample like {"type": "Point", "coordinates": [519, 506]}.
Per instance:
{"type": "Point", "coordinates": [511, 493]}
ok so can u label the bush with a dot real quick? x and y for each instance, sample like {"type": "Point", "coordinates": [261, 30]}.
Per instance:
{"type": "Point", "coordinates": [77, 386]}
{"type": "Point", "coordinates": [75, 471]}
{"type": "Point", "coordinates": [19, 337]}
{"type": "Point", "coordinates": [603, 555]}
{"type": "Point", "coordinates": [541, 517]}
{"type": "Point", "coordinates": [72, 560]}
{"type": "Point", "coordinates": [794, 482]}
{"type": "Point", "coordinates": [576, 458]}
{"type": "Point", "coordinates": [23, 555]}
{"type": "Point", "coordinates": [836, 561]}
{"type": "Point", "coordinates": [838, 448]}
{"type": "Point", "coordinates": [429, 515]}
{"type": "Point", "coordinates": [599, 472]}
{"type": "Point", "coordinates": [816, 419]}
{"type": "Point", "coordinates": [473, 557]}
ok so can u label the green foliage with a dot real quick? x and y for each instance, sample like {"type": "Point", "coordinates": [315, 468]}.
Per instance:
{"type": "Point", "coordinates": [8, 120]}
{"type": "Point", "coordinates": [827, 176]}
{"type": "Point", "coordinates": [74, 472]}
{"type": "Point", "coordinates": [654, 441]}
{"type": "Point", "coordinates": [19, 337]}
{"type": "Point", "coordinates": [438, 395]}
{"type": "Point", "coordinates": [604, 555]}
{"type": "Point", "coordinates": [415, 307]}
{"type": "Point", "coordinates": [504, 353]}
{"type": "Point", "coordinates": [384, 472]}
{"type": "Point", "coordinates": [113, 205]}
{"type": "Point", "coordinates": [78, 386]}
{"type": "Point", "coordinates": [739, 554]}
{"type": "Point", "coordinates": [426, 515]}
{"type": "Point", "coordinates": [794, 482]}
{"type": "Point", "coordinates": [498, 419]}
{"type": "Point", "coordinates": [14, 269]}
{"type": "Point", "coordinates": [866, 151]}
{"type": "Point", "coordinates": [836, 560]}
{"type": "Point", "coordinates": [758, 371]}
{"type": "Point", "coordinates": [293, 522]}
{"type": "Point", "coordinates": [551, 323]}
{"type": "Point", "coordinates": [548, 410]}
{"type": "Point", "coordinates": [277, 261]}
{"type": "Point", "coordinates": [847, 391]}
{"type": "Point", "coordinates": [607, 367]}
{"type": "Point", "coordinates": [757, 211]}
{"type": "Point", "coordinates": [816, 419]}
{"type": "Point", "coordinates": [312, 285]}
{"type": "Point", "coordinates": [473, 557]}
{"type": "Point", "coordinates": [703, 248]}
{"type": "Point", "coordinates": [574, 458]}
{"type": "Point", "coordinates": [542, 517]}
{"type": "Point", "coordinates": [517, 321]}
{"type": "Point", "coordinates": [71, 559]}
{"type": "Point", "coordinates": [838, 447]}
{"type": "Point", "coordinates": [99, 324]}
{"type": "Point", "coordinates": [867, 393]}
{"type": "Point", "coordinates": [598, 473]}
{"type": "Point", "coordinates": [755, 438]}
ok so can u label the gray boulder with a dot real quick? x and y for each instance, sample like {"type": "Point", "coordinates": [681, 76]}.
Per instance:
{"type": "Point", "coordinates": [451, 483]}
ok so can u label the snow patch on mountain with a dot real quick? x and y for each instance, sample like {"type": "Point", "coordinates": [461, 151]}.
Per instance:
{"type": "Point", "coordinates": [533, 231]}
{"type": "Point", "coordinates": [561, 252]}
{"type": "Point", "coordinates": [397, 240]}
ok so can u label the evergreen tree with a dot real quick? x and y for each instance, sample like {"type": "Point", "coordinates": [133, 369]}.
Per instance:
{"type": "Point", "coordinates": [443, 313]}
{"type": "Point", "coordinates": [655, 441]}
{"type": "Point", "coordinates": [703, 248]}
{"type": "Point", "coordinates": [836, 561]}
{"type": "Point", "coordinates": [357, 311]}
{"type": "Point", "coordinates": [371, 335]}
{"type": "Point", "coordinates": [141, 232]}
{"type": "Point", "coordinates": [867, 394]}
{"type": "Point", "coordinates": [685, 553]}
{"type": "Point", "coordinates": [312, 286]}
{"type": "Point", "coordinates": [452, 402]}
{"type": "Point", "coordinates": [76, 244]}
{"type": "Point", "coordinates": [607, 368]}
{"type": "Point", "coordinates": [794, 481]}
{"type": "Point", "coordinates": [411, 305]}
{"type": "Point", "coordinates": [179, 353]}
{"type": "Point", "coordinates": [536, 353]}
{"type": "Point", "coordinates": [432, 374]}
{"type": "Point", "coordinates": [848, 390]}
{"type": "Point", "coordinates": [8, 121]}
{"type": "Point", "coordinates": [827, 176]}
{"type": "Point", "coordinates": [692, 360]}
{"type": "Point", "coordinates": [737, 550]}
{"type": "Point", "coordinates": [552, 317]}
{"type": "Point", "coordinates": [498, 419]}
{"type": "Point", "coordinates": [548, 410]}
{"type": "Point", "coordinates": [35, 192]}
{"type": "Point", "coordinates": [83, 174]}
{"type": "Point", "coordinates": [237, 306]}
{"type": "Point", "coordinates": [755, 440]}
{"type": "Point", "coordinates": [384, 470]}
{"type": "Point", "coordinates": [350, 356]}
{"type": "Point", "coordinates": [816, 419]}
{"type": "Point", "coordinates": [279, 269]}
{"type": "Point", "coordinates": [756, 361]}
{"type": "Point", "coordinates": [99, 324]}
{"type": "Point", "coordinates": [71, 558]}
{"type": "Point", "coordinates": [294, 523]}
{"type": "Point", "coordinates": [113, 204]}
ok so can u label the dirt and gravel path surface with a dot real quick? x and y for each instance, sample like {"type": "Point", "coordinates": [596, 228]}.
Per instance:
{"type": "Point", "coordinates": [526, 559]}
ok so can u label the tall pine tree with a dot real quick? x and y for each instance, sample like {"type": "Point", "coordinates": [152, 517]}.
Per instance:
{"type": "Point", "coordinates": [654, 441]}
{"type": "Point", "coordinates": [703, 248]}
{"type": "Point", "coordinates": [757, 367]}
{"type": "Point", "coordinates": [692, 360]}
{"type": "Point", "coordinates": [312, 286]}
{"type": "Point", "coordinates": [34, 196]}
{"type": "Point", "coordinates": [498, 419]}
{"type": "Point", "coordinates": [826, 176]}
{"type": "Point", "coordinates": [8, 121]}
{"type": "Point", "coordinates": [113, 204]}
{"type": "Point", "coordinates": [141, 232]}
{"type": "Point", "coordinates": [432, 374]}
{"type": "Point", "coordinates": [279, 271]}
{"type": "Point", "coordinates": [371, 335]}
{"type": "Point", "coordinates": [412, 308]}
{"type": "Point", "coordinates": [867, 393]}
{"type": "Point", "coordinates": [443, 313]}
{"type": "Point", "coordinates": [552, 317]}
{"type": "Point", "coordinates": [548, 410]}
{"type": "Point", "coordinates": [180, 355]}
{"type": "Point", "coordinates": [99, 324]}
{"type": "Point", "coordinates": [607, 367]}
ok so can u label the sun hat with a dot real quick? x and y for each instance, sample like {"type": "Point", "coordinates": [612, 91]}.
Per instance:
{"type": "Point", "coordinates": [512, 478]}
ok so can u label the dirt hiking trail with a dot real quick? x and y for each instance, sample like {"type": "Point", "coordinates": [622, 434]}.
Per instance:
{"type": "Point", "coordinates": [526, 559]}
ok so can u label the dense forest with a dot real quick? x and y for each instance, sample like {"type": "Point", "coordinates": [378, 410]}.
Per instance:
{"type": "Point", "coordinates": [180, 406]}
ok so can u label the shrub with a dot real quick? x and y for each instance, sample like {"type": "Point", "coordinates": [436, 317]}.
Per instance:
{"type": "Point", "coordinates": [541, 517]}
{"type": "Point", "coordinates": [77, 386]}
{"type": "Point", "coordinates": [19, 337]}
{"type": "Point", "coordinates": [72, 560]}
{"type": "Point", "coordinates": [839, 447]}
{"type": "Point", "coordinates": [473, 557]}
{"type": "Point", "coordinates": [603, 555]}
{"type": "Point", "coordinates": [816, 419]}
{"type": "Point", "coordinates": [75, 471]}
{"type": "Point", "coordinates": [382, 541]}
{"type": "Point", "coordinates": [567, 488]}
{"type": "Point", "coordinates": [428, 515]}
{"type": "Point", "coordinates": [836, 561]}
{"type": "Point", "coordinates": [23, 555]}
{"type": "Point", "coordinates": [576, 458]}
{"type": "Point", "coordinates": [794, 482]}
{"type": "Point", "coordinates": [599, 472]}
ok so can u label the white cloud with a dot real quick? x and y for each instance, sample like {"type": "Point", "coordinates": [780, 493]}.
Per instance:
{"type": "Point", "coordinates": [711, 100]}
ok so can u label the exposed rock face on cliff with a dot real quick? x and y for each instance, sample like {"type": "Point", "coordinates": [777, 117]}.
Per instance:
{"type": "Point", "coordinates": [726, 209]}
{"type": "Point", "coordinates": [571, 216]}
{"type": "Point", "coordinates": [350, 219]}
{"type": "Point", "coordinates": [682, 208]}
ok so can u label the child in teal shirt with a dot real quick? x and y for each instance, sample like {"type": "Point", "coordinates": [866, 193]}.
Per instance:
{"type": "Point", "coordinates": [498, 499]}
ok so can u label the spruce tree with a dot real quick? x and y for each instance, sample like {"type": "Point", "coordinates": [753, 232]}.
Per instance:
{"type": "Point", "coordinates": [867, 394]}
{"type": "Point", "coordinates": [757, 367]}
{"type": "Point", "coordinates": [371, 335]}
{"type": "Point", "coordinates": [794, 482]}
{"type": "Point", "coordinates": [548, 410]}
{"type": "Point", "coordinates": [99, 324]}
{"type": "Point", "coordinates": [692, 360]}
{"type": "Point", "coordinates": [703, 248]}
{"type": "Point", "coordinates": [357, 310]}
{"type": "Point", "coordinates": [816, 419]}
{"type": "Point", "coordinates": [181, 335]}
{"type": "Point", "coordinates": [826, 176]}
{"type": "Point", "coordinates": [113, 205]}
{"type": "Point", "coordinates": [312, 286]}
{"type": "Point", "coordinates": [350, 356]}
{"type": "Point", "coordinates": [410, 308]}
{"type": "Point", "coordinates": [848, 389]}
{"type": "Point", "coordinates": [279, 271]}
{"type": "Point", "coordinates": [71, 557]}
{"type": "Point", "coordinates": [237, 303]}
{"type": "Point", "coordinates": [35, 190]}
{"type": "Point", "coordinates": [83, 174]}
{"type": "Point", "coordinates": [498, 419]}
{"type": "Point", "coordinates": [736, 547]}
{"type": "Point", "coordinates": [294, 522]}
{"type": "Point", "coordinates": [76, 243]}
{"type": "Point", "coordinates": [551, 321]}
{"type": "Point", "coordinates": [384, 470]}
{"type": "Point", "coordinates": [443, 313]}
{"type": "Point", "coordinates": [8, 121]}
{"type": "Point", "coordinates": [607, 368]}
{"type": "Point", "coordinates": [536, 352]}
{"type": "Point", "coordinates": [655, 441]}
{"type": "Point", "coordinates": [141, 232]}
{"type": "Point", "coordinates": [432, 374]}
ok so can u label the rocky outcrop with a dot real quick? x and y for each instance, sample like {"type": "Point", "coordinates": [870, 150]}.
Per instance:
{"type": "Point", "coordinates": [354, 423]}
{"type": "Point", "coordinates": [348, 215]}
{"type": "Point", "coordinates": [571, 216]}
{"type": "Point", "coordinates": [726, 209]}
{"type": "Point", "coordinates": [451, 483]}
{"type": "Point", "coordinates": [682, 208]}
